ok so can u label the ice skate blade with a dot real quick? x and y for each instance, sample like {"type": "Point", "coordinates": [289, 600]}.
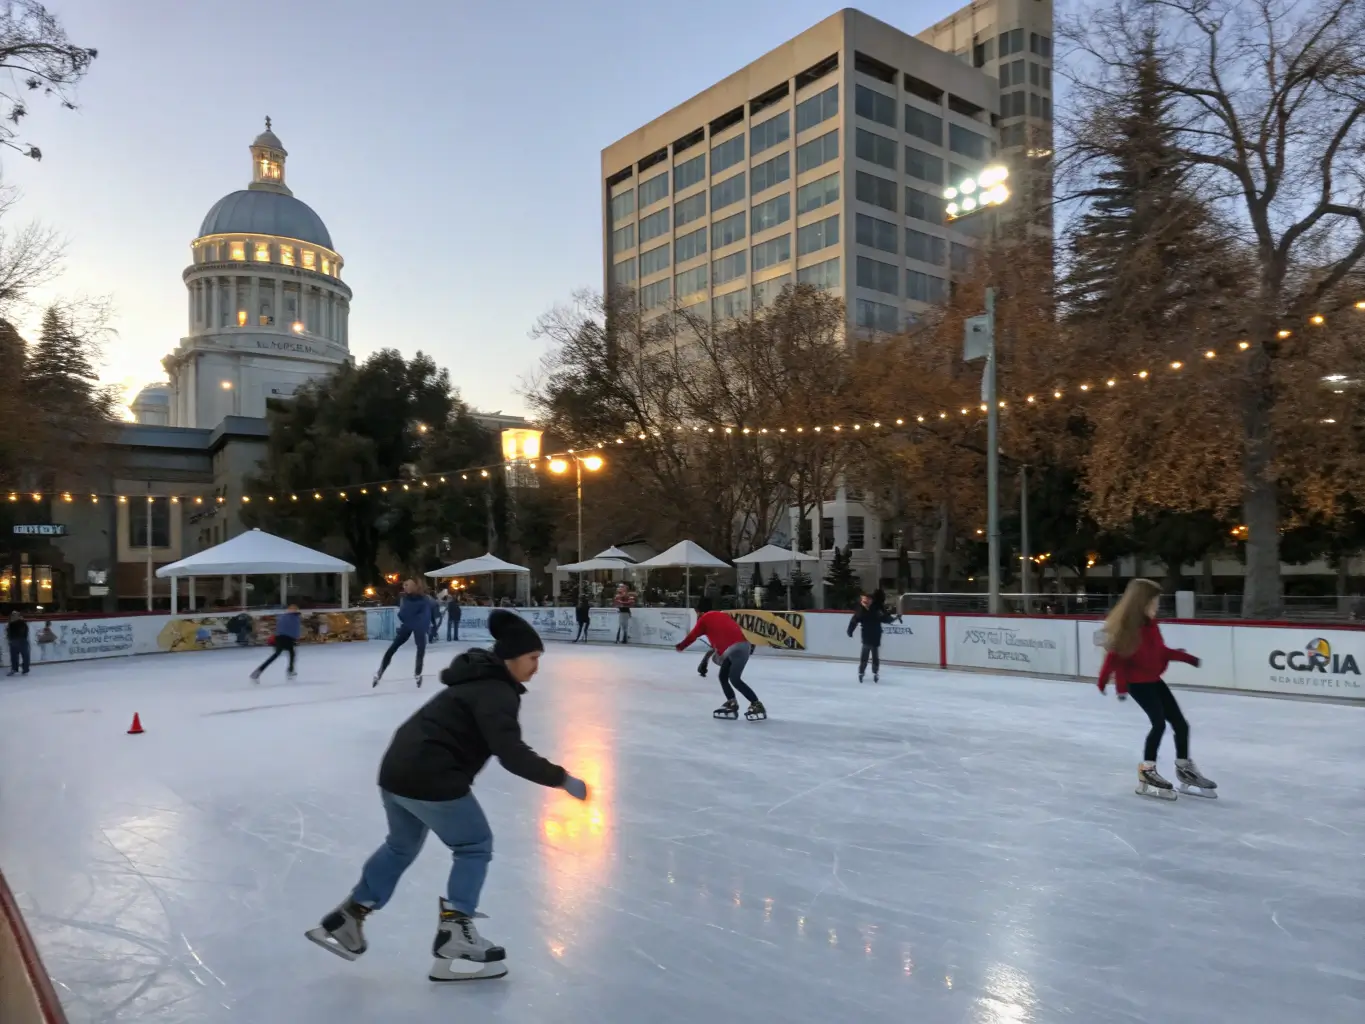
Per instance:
{"type": "Point", "coordinates": [323, 938]}
{"type": "Point", "coordinates": [1207, 794]}
{"type": "Point", "coordinates": [763, 717]}
{"type": "Point", "coordinates": [1155, 792]}
{"type": "Point", "coordinates": [443, 970]}
{"type": "Point", "coordinates": [726, 716]}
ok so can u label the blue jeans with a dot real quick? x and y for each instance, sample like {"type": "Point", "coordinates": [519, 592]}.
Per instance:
{"type": "Point", "coordinates": [400, 638]}
{"type": "Point", "coordinates": [459, 824]}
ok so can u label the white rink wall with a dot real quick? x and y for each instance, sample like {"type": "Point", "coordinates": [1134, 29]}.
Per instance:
{"type": "Point", "coordinates": [1263, 657]}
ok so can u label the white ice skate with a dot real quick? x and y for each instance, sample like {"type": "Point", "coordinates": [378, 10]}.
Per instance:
{"type": "Point", "coordinates": [1151, 784]}
{"type": "Point", "coordinates": [1191, 782]}
{"type": "Point", "coordinates": [341, 931]}
{"type": "Point", "coordinates": [461, 953]}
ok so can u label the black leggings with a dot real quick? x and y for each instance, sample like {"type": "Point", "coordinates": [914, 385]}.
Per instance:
{"type": "Point", "coordinates": [1159, 702]}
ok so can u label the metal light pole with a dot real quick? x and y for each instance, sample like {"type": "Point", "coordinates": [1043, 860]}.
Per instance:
{"type": "Point", "coordinates": [590, 462]}
{"type": "Point", "coordinates": [579, 464]}
{"type": "Point", "coordinates": [1024, 571]}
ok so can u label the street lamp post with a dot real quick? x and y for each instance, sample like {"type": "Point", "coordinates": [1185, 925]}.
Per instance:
{"type": "Point", "coordinates": [592, 463]}
{"type": "Point", "coordinates": [966, 198]}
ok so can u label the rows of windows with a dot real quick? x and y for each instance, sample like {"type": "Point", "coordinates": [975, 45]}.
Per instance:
{"type": "Point", "coordinates": [922, 125]}
{"type": "Point", "coordinates": [689, 282]}
{"type": "Point", "coordinates": [622, 205]}
{"type": "Point", "coordinates": [653, 260]}
{"type": "Point", "coordinates": [267, 252]}
{"type": "Point", "coordinates": [727, 154]}
{"type": "Point", "coordinates": [1040, 76]}
{"type": "Point", "coordinates": [653, 190]}
{"type": "Point", "coordinates": [821, 275]}
{"type": "Point", "coordinates": [1012, 74]}
{"type": "Point", "coordinates": [874, 106]}
{"type": "Point", "coordinates": [775, 211]}
{"type": "Point", "coordinates": [727, 231]}
{"type": "Point", "coordinates": [771, 172]}
{"type": "Point", "coordinates": [690, 209]}
{"type": "Point", "coordinates": [765, 292]}
{"type": "Point", "coordinates": [924, 247]}
{"type": "Point", "coordinates": [731, 190]}
{"type": "Point", "coordinates": [727, 268]}
{"type": "Point", "coordinates": [770, 133]}
{"type": "Point", "coordinates": [820, 107]}
{"type": "Point", "coordinates": [817, 236]}
{"type": "Point", "coordinates": [623, 238]}
{"type": "Point", "coordinates": [1012, 104]}
{"type": "Point", "coordinates": [817, 151]}
{"type": "Point", "coordinates": [623, 273]}
{"type": "Point", "coordinates": [772, 252]}
{"type": "Point", "coordinates": [876, 316]}
{"type": "Point", "coordinates": [729, 306]}
{"type": "Point", "coordinates": [924, 287]}
{"type": "Point", "coordinates": [689, 172]}
{"type": "Point", "coordinates": [924, 166]}
{"type": "Point", "coordinates": [868, 188]}
{"type": "Point", "coordinates": [818, 193]}
{"type": "Point", "coordinates": [877, 149]}
{"type": "Point", "coordinates": [653, 226]}
{"type": "Point", "coordinates": [690, 245]}
{"type": "Point", "coordinates": [923, 205]}
{"type": "Point", "coordinates": [1040, 106]}
{"type": "Point", "coordinates": [876, 233]}
{"type": "Point", "coordinates": [652, 296]}
{"type": "Point", "coordinates": [878, 276]}
{"type": "Point", "coordinates": [968, 143]}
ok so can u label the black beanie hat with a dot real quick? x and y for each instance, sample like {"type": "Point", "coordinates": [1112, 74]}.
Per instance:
{"type": "Point", "coordinates": [513, 636]}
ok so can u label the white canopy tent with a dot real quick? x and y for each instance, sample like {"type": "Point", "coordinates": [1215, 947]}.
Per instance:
{"type": "Point", "coordinates": [255, 553]}
{"type": "Point", "coordinates": [684, 555]}
{"type": "Point", "coordinates": [614, 552]}
{"type": "Point", "coordinates": [773, 553]}
{"type": "Point", "coordinates": [598, 564]}
{"type": "Point", "coordinates": [484, 565]}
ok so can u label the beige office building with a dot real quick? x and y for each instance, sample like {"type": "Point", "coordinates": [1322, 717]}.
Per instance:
{"type": "Point", "coordinates": [822, 162]}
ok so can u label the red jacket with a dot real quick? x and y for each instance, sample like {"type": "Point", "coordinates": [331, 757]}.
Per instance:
{"type": "Point", "coordinates": [1145, 665]}
{"type": "Point", "coordinates": [721, 630]}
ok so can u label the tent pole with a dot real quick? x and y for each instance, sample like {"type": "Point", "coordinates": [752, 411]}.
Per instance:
{"type": "Point", "coordinates": [789, 586]}
{"type": "Point", "coordinates": [175, 594]}
{"type": "Point", "coordinates": [243, 593]}
{"type": "Point", "coordinates": [687, 586]}
{"type": "Point", "coordinates": [284, 591]}
{"type": "Point", "coordinates": [192, 593]}
{"type": "Point", "coordinates": [345, 591]}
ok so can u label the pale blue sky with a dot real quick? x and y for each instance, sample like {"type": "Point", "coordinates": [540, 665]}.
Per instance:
{"type": "Point", "coordinates": [452, 149]}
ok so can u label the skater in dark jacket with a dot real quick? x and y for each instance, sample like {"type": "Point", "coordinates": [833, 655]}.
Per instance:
{"type": "Point", "coordinates": [453, 612]}
{"type": "Point", "coordinates": [414, 620]}
{"type": "Point", "coordinates": [1136, 658]}
{"type": "Point", "coordinates": [16, 634]}
{"type": "Point", "coordinates": [870, 616]}
{"type": "Point", "coordinates": [730, 649]}
{"type": "Point", "coordinates": [425, 784]}
{"type": "Point", "coordinates": [582, 617]}
{"type": "Point", "coordinates": [288, 630]}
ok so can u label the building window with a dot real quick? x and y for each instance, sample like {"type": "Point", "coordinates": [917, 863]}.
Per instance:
{"type": "Point", "coordinates": [968, 143]}
{"type": "Point", "coordinates": [653, 190]}
{"type": "Point", "coordinates": [652, 296]}
{"type": "Point", "coordinates": [690, 209]}
{"type": "Point", "coordinates": [928, 127]}
{"type": "Point", "coordinates": [237, 251]}
{"type": "Point", "coordinates": [159, 521]}
{"type": "Point", "coordinates": [326, 265]}
{"type": "Point", "coordinates": [309, 259]}
{"type": "Point", "coordinates": [817, 236]}
{"type": "Point", "coordinates": [868, 188]}
{"type": "Point", "coordinates": [287, 255]}
{"type": "Point", "coordinates": [653, 260]}
{"type": "Point", "coordinates": [766, 292]}
{"type": "Point", "coordinates": [1012, 74]}
{"type": "Point", "coordinates": [623, 238]}
{"type": "Point", "coordinates": [772, 252]}
{"type": "Point", "coordinates": [1012, 135]}
{"type": "Point", "coordinates": [875, 148]}
{"type": "Point", "coordinates": [727, 268]}
{"type": "Point", "coordinates": [730, 305]}
{"type": "Point", "coordinates": [653, 226]}
{"type": "Point", "coordinates": [689, 246]}
{"type": "Point", "coordinates": [924, 287]}
{"type": "Point", "coordinates": [826, 533]}
{"type": "Point", "coordinates": [923, 247]}
{"type": "Point", "coordinates": [923, 166]}
{"type": "Point", "coordinates": [876, 316]}
{"type": "Point", "coordinates": [923, 206]}
{"type": "Point", "coordinates": [241, 318]}
{"type": "Point", "coordinates": [874, 106]}
{"type": "Point", "coordinates": [689, 172]}
{"type": "Point", "coordinates": [960, 256]}
{"type": "Point", "coordinates": [623, 273]}
{"type": "Point", "coordinates": [982, 53]}
{"type": "Point", "coordinates": [817, 193]}
{"type": "Point", "coordinates": [775, 211]}
{"type": "Point", "coordinates": [878, 276]}
{"type": "Point", "coordinates": [1041, 45]}
{"type": "Point", "coordinates": [771, 172]}
{"type": "Point", "coordinates": [820, 107]}
{"type": "Point", "coordinates": [689, 282]}
{"type": "Point", "coordinates": [856, 533]}
{"type": "Point", "coordinates": [731, 190]}
{"type": "Point", "coordinates": [727, 154]}
{"type": "Point", "coordinates": [1011, 42]}
{"type": "Point", "coordinates": [622, 205]}
{"type": "Point", "coordinates": [1040, 106]}
{"type": "Point", "coordinates": [1012, 104]}
{"type": "Point", "coordinates": [262, 252]}
{"type": "Point", "coordinates": [821, 275]}
{"type": "Point", "coordinates": [724, 232]}
{"type": "Point", "coordinates": [770, 133]}
{"type": "Point", "coordinates": [817, 151]}
{"type": "Point", "coordinates": [878, 234]}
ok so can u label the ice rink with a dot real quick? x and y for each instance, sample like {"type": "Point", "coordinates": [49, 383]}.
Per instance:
{"type": "Point", "coordinates": [940, 848]}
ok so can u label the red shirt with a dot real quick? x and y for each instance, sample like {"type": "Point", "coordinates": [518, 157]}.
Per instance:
{"type": "Point", "coordinates": [1147, 664]}
{"type": "Point", "coordinates": [721, 630]}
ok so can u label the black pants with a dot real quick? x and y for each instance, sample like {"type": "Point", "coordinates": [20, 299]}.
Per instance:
{"type": "Point", "coordinates": [18, 655]}
{"type": "Point", "coordinates": [875, 651]}
{"type": "Point", "coordinates": [282, 644]}
{"type": "Point", "coordinates": [398, 641]}
{"type": "Point", "coordinates": [731, 666]}
{"type": "Point", "coordinates": [1159, 702]}
{"type": "Point", "coordinates": [582, 631]}
{"type": "Point", "coordinates": [453, 624]}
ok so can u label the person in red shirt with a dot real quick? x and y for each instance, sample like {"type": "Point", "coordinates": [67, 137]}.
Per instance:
{"type": "Point", "coordinates": [732, 651]}
{"type": "Point", "coordinates": [1136, 658]}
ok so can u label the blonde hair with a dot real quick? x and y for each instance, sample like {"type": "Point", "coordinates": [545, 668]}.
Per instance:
{"type": "Point", "coordinates": [1124, 624]}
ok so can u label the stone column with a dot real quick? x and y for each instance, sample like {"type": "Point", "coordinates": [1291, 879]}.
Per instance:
{"type": "Point", "coordinates": [215, 303]}
{"type": "Point", "coordinates": [278, 306]}
{"type": "Point", "coordinates": [253, 309]}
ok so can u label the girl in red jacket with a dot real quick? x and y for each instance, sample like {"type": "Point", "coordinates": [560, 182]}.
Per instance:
{"type": "Point", "coordinates": [1137, 657]}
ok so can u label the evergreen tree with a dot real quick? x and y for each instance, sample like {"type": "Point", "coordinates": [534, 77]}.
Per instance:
{"type": "Point", "coordinates": [843, 585]}
{"type": "Point", "coordinates": [777, 590]}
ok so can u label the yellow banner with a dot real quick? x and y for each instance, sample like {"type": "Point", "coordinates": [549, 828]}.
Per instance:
{"type": "Point", "coordinates": [772, 629]}
{"type": "Point", "coordinates": [244, 630]}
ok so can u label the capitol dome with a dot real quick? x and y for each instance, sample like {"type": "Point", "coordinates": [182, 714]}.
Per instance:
{"type": "Point", "coordinates": [248, 212]}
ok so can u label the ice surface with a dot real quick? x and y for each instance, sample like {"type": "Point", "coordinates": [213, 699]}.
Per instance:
{"type": "Point", "coordinates": [940, 848]}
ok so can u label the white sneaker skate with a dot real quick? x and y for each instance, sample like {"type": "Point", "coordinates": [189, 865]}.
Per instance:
{"type": "Point", "coordinates": [1152, 784]}
{"type": "Point", "coordinates": [461, 953]}
{"type": "Point", "coordinates": [341, 932]}
{"type": "Point", "coordinates": [1193, 783]}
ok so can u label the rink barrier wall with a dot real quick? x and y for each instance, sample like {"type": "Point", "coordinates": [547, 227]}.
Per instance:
{"type": "Point", "coordinates": [26, 992]}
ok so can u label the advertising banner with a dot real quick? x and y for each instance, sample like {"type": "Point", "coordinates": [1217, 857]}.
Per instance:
{"type": "Point", "coordinates": [1323, 662]}
{"type": "Point", "coordinates": [1212, 645]}
{"type": "Point", "coordinates": [79, 639]}
{"type": "Point", "coordinates": [209, 632]}
{"type": "Point", "coordinates": [1041, 646]}
{"type": "Point", "coordinates": [914, 639]}
{"type": "Point", "coordinates": [783, 630]}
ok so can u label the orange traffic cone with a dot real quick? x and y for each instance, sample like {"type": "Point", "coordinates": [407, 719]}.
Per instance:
{"type": "Point", "coordinates": [136, 728]}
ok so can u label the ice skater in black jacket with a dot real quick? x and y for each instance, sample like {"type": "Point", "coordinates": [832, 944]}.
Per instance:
{"type": "Point", "coordinates": [425, 784]}
{"type": "Point", "coordinates": [870, 617]}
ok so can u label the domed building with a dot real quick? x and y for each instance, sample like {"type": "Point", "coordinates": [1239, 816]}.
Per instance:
{"type": "Point", "coordinates": [268, 309]}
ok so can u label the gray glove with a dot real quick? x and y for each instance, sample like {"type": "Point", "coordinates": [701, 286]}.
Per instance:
{"type": "Point", "coordinates": [576, 788]}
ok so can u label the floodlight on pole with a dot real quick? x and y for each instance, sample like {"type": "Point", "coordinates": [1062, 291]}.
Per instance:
{"type": "Point", "coordinates": [973, 195]}
{"type": "Point", "coordinates": [592, 463]}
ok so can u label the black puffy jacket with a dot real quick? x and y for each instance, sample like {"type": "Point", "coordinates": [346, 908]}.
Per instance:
{"type": "Point", "coordinates": [870, 620]}
{"type": "Point", "coordinates": [437, 752]}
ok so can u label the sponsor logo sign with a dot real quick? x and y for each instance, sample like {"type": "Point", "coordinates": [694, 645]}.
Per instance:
{"type": "Point", "coordinates": [1316, 665]}
{"type": "Point", "coordinates": [785, 630]}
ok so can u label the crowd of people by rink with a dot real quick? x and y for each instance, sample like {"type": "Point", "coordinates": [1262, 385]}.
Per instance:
{"type": "Point", "coordinates": [426, 775]}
